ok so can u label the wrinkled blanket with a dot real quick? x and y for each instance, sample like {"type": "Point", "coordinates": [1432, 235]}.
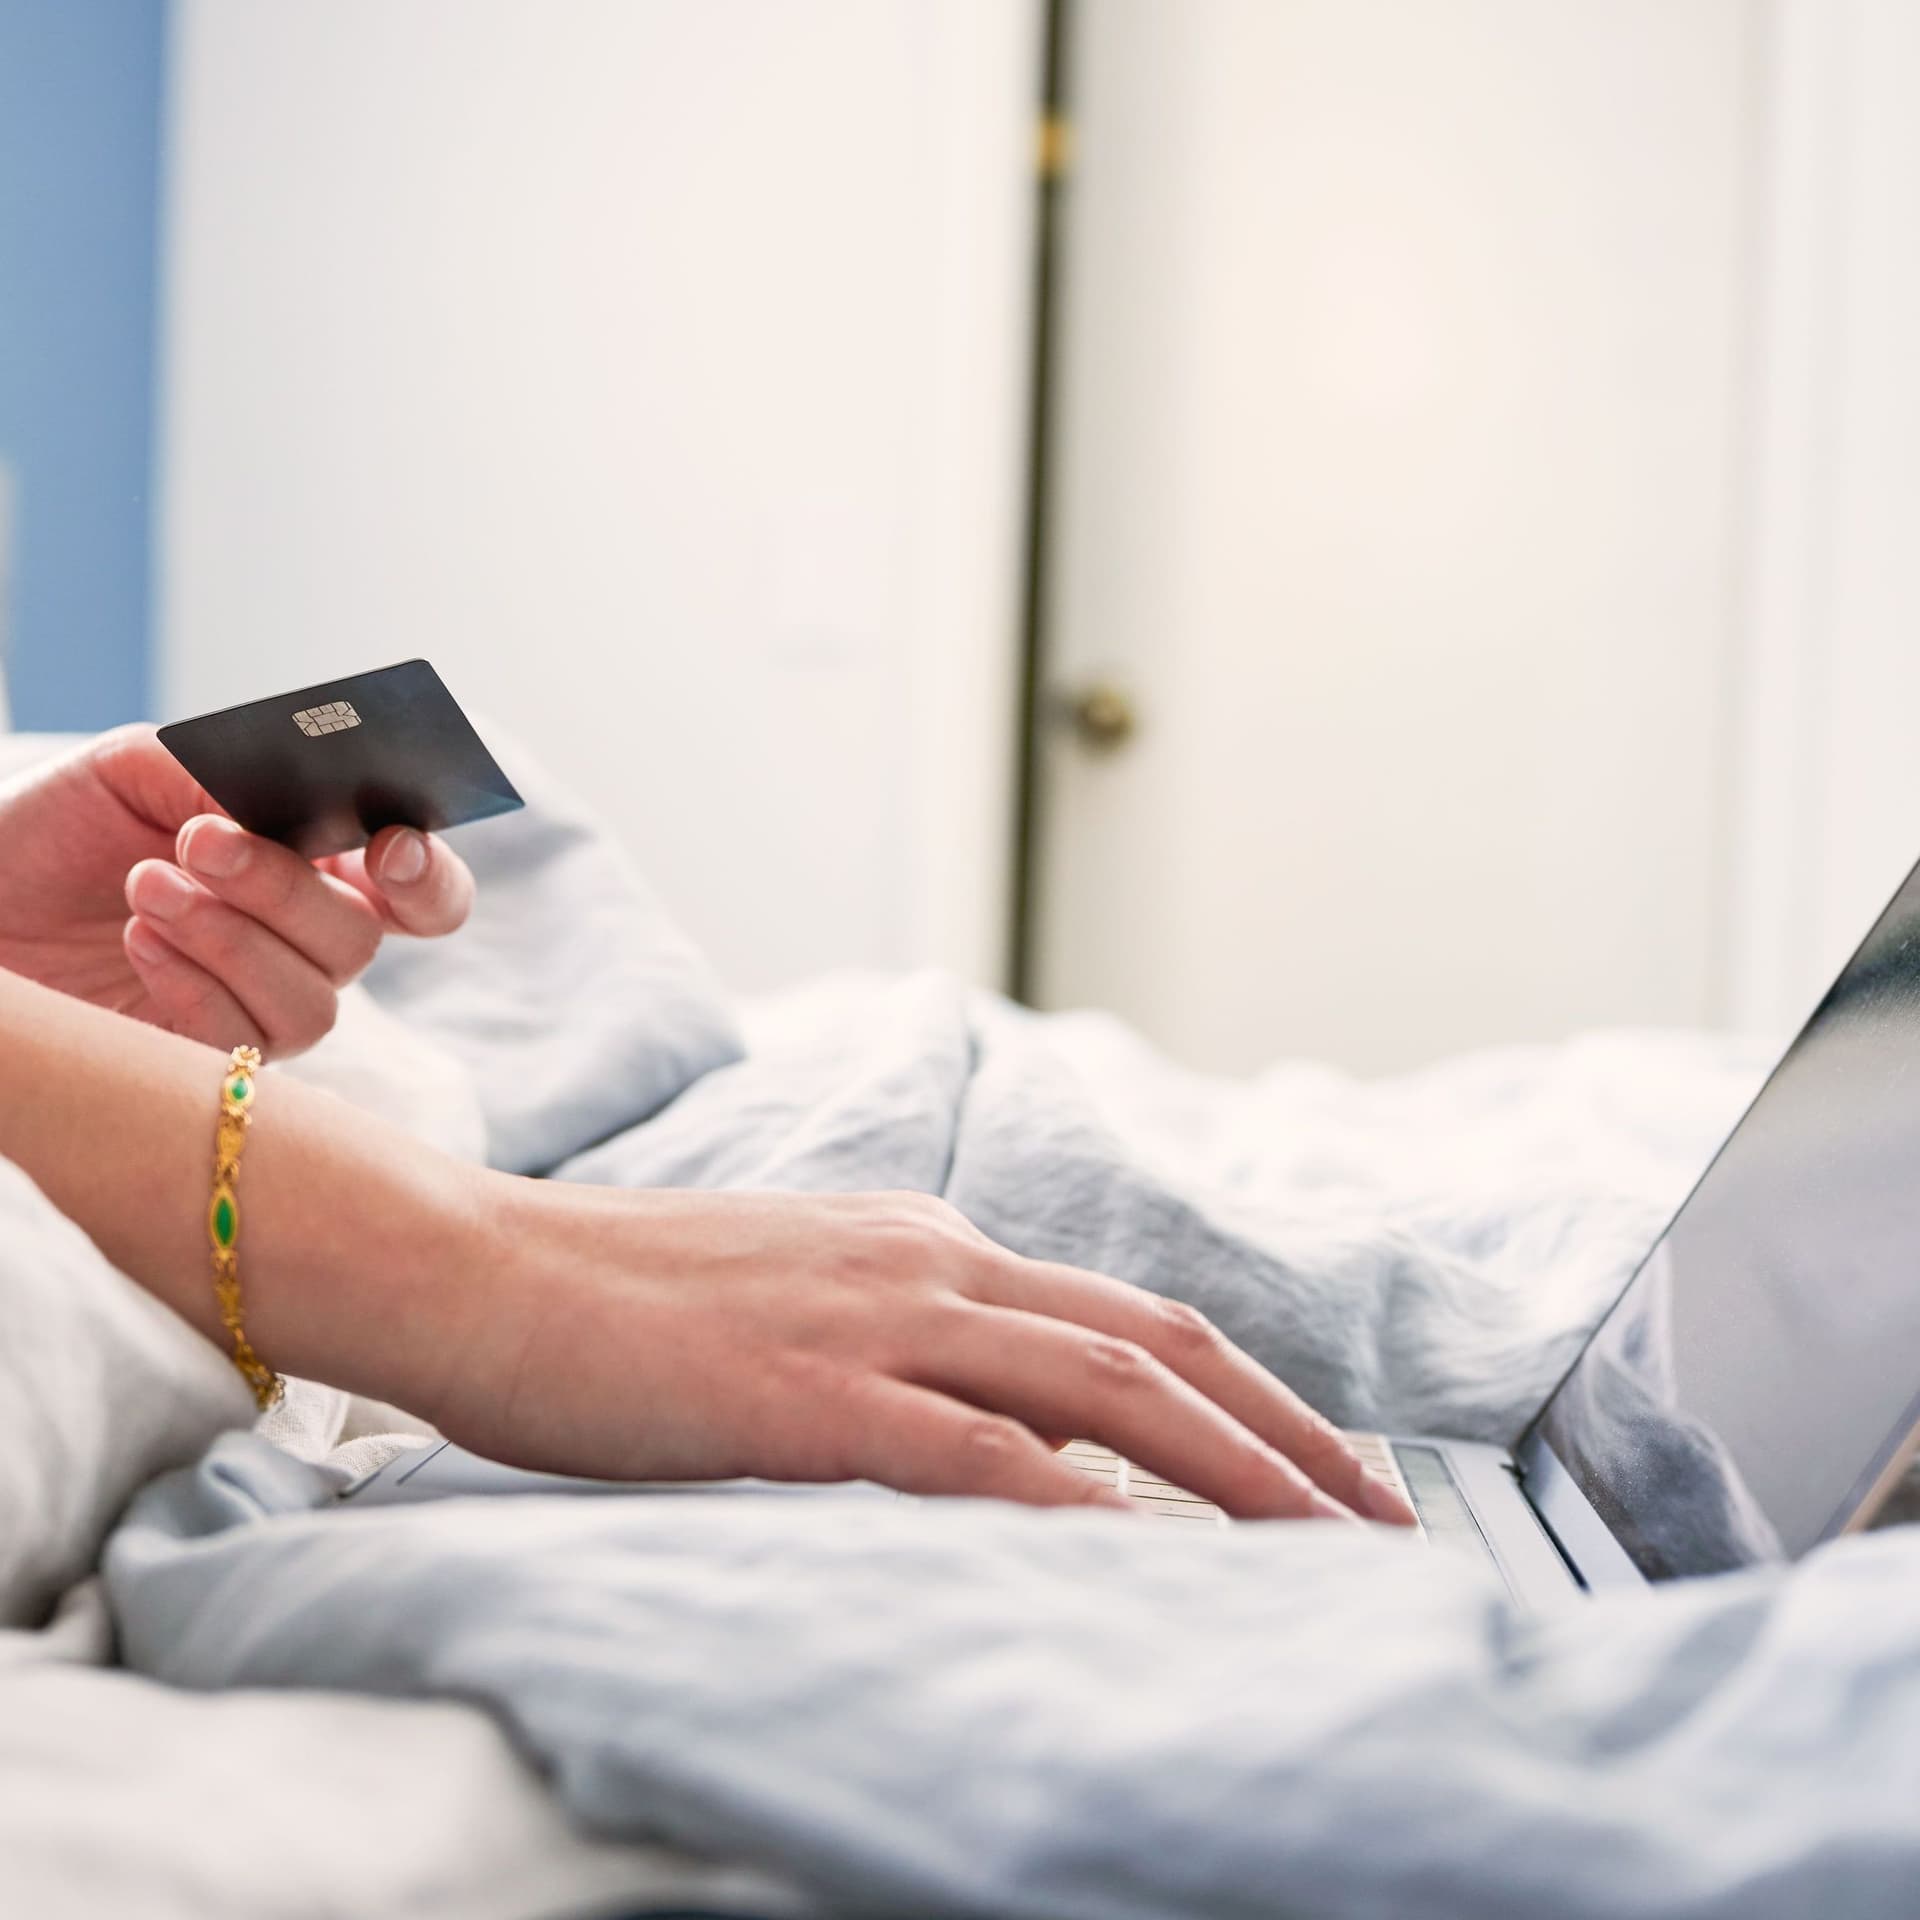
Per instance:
{"type": "Point", "coordinates": [954, 1707]}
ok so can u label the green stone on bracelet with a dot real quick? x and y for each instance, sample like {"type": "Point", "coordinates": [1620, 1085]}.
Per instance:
{"type": "Point", "coordinates": [226, 1220]}
{"type": "Point", "coordinates": [241, 1089]}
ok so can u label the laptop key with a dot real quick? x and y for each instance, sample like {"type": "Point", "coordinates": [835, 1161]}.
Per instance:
{"type": "Point", "coordinates": [1165, 1501]}
{"type": "Point", "coordinates": [1159, 1498]}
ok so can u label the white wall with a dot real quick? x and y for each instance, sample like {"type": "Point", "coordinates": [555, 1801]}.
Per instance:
{"type": "Point", "coordinates": [1828, 809]}
{"type": "Point", "coordinates": [6, 582]}
{"type": "Point", "coordinates": [656, 369]}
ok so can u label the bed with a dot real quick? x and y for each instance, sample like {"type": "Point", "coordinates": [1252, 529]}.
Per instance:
{"type": "Point", "coordinates": [222, 1692]}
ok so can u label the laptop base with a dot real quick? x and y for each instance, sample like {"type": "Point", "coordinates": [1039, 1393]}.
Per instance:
{"type": "Point", "coordinates": [1468, 1496]}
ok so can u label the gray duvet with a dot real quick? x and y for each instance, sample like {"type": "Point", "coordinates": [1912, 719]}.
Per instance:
{"type": "Point", "coordinates": [959, 1708]}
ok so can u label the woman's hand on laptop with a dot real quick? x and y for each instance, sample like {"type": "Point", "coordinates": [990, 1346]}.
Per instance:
{"type": "Point", "coordinates": [649, 1335]}
{"type": "Point", "coordinates": [126, 886]}
{"type": "Point", "coordinates": [854, 1337]}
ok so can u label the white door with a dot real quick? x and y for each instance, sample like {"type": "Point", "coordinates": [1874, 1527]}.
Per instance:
{"type": "Point", "coordinates": [1397, 470]}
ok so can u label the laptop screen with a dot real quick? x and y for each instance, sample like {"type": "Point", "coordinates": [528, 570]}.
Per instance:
{"type": "Point", "coordinates": [1761, 1373]}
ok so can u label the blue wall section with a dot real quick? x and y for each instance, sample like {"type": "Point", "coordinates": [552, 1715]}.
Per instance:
{"type": "Point", "coordinates": [80, 91]}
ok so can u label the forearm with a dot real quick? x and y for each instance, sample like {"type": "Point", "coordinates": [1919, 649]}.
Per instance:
{"type": "Point", "coordinates": [643, 1335]}
{"type": "Point", "coordinates": [353, 1239]}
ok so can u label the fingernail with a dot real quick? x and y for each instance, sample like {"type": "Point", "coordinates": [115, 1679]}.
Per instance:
{"type": "Point", "coordinates": [216, 848]}
{"type": "Point", "coordinates": [406, 858]}
{"type": "Point", "coordinates": [145, 944]}
{"type": "Point", "coordinates": [1378, 1501]}
{"type": "Point", "coordinates": [163, 893]}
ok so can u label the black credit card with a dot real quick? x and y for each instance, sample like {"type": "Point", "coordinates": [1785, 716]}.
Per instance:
{"type": "Point", "coordinates": [324, 769]}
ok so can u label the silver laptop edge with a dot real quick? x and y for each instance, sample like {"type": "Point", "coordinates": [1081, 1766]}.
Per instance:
{"type": "Point", "coordinates": [1540, 1568]}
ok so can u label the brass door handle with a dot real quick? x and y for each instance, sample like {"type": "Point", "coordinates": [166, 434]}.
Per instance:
{"type": "Point", "coordinates": [1102, 716]}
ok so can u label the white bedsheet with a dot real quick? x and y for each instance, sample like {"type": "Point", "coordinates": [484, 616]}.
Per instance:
{"type": "Point", "coordinates": [121, 1796]}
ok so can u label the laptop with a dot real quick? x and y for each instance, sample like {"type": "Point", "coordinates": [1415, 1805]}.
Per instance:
{"type": "Point", "coordinates": [1754, 1390]}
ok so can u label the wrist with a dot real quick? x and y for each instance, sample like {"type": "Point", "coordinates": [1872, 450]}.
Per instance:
{"type": "Point", "coordinates": [463, 1284]}
{"type": "Point", "coordinates": [365, 1252]}
{"type": "Point", "coordinates": [485, 1288]}
{"type": "Point", "coordinates": [366, 1259]}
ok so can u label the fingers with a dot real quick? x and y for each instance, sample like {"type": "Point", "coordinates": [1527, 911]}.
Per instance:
{"type": "Point", "coordinates": [278, 934]}
{"type": "Point", "coordinates": [1185, 1342]}
{"type": "Point", "coordinates": [188, 999]}
{"type": "Point", "coordinates": [925, 1443]}
{"type": "Point", "coordinates": [332, 924]}
{"type": "Point", "coordinates": [138, 771]}
{"type": "Point", "coordinates": [284, 997]}
{"type": "Point", "coordinates": [415, 881]}
{"type": "Point", "coordinates": [1051, 1373]}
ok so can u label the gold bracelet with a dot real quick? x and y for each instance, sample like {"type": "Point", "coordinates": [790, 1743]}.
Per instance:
{"type": "Point", "coordinates": [223, 1219]}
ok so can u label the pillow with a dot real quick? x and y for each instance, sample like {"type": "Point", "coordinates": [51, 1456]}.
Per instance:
{"type": "Point", "coordinates": [101, 1387]}
{"type": "Point", "coordinates": [571, 998]}
{"type": "Point", "coordinates": [19, 751]}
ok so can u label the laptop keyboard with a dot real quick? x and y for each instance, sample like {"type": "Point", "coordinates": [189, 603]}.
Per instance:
{"type": "Point", "coordinates": [1165, 1501]}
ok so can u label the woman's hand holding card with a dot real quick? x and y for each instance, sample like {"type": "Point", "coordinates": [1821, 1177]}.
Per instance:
{"type": "Point", "coordinates": [125, 885]}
